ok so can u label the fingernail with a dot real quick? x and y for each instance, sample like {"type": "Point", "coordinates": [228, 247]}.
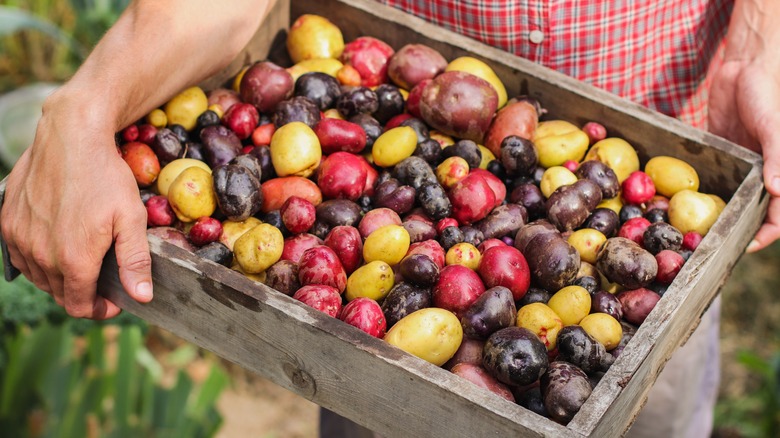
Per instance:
{"type": "Point", "coordinates": [143, 291]}
{"type": "Point", "coordinates": [753, 246]}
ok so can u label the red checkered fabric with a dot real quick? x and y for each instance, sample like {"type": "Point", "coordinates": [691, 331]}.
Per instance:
{"type": "Point", "coordinates": [656, 53]}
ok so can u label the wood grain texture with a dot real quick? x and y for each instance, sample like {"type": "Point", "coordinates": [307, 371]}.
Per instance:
{"type": "Point", "coordinates": [391, 392]}
{"type": "Point", "coordinates": [318, 357]}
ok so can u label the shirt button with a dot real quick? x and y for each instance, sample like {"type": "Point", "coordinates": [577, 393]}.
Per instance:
{"type": "Point", "coordinates": [536, 36]}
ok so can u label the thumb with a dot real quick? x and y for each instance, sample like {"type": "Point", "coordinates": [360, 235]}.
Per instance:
{"type": "Point", "coordinates": [132, 254]}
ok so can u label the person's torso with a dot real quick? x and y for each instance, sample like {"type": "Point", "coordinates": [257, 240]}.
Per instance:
{"type": "Point", "coordinates": [656, 53]}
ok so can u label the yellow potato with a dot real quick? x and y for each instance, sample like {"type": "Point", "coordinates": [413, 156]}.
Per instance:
{"type": "Point", "coordinates": [587, 242]}
{"type": "Point", "coordinates": [431, 334]}
{"type": "Point", "coordinates": [259, 248]}
{"type": "Point", "coordinates": [543, 321]}
{"type": "Point", "coordinates": [394, 145]}
{"type": "Point", "coordinates": [237, 80]}
{"type": "Point", "coordinates": [719, 202]}
{"type": "Point", "coordinates": [328, 66]}
{"type": "Point", "coordinates": [372, 280]}
{"type": "Point", "coordinates": [587, 270]}
{"type": "Point", "coordinates": [185, 107]}
{"type": "Point", "coordinates": [617, 154]}
{"type": "Point", "coordinates": [313, 36]}
{"type": "Point", "coordinates": [603, 328]}
{"type": "Point", "coordinates": [232, 230]}
{"type": "Point", "coordinates": [464, 254]}
{"type": "Point", "coordinates": [571, 304]}
{"type": "Point", "coordinates": [614, 204]}
{"type": "Point", "coordinates": [192, 195]}
{"type": "Point", "coordinates": [260, 278]}
{"type": "Point", "coordinates": [451, 171]}
{"type": "Point", "coordinates": [480, 69]}
{"type": "Point", "coordinates": [670, 175]}
{"type": "Point", "coordinates": [173, 169]}
{"type": "Point", "coordinates": [157, 118]}
{"type": "Point", "coordinates": [389, 244]}
{"type": "Point", "coordinates": [443, 139]}
{"type": "Point", "coordinates": [558, 141]}
{"type": "Point", "coordinates": [693, 211]}
{"type": "Point", "coordinates": [295, 150]}
{"type": "Point", "coordinates": [555, 177]}
{"type": "Point", "coordinates": [487, 156]}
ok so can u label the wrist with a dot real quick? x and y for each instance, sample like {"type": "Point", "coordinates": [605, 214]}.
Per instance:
{"type": "Point", "coordinates": [85, 105]}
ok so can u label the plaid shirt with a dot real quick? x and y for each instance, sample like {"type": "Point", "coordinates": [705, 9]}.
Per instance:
{"type": "Point", "coordinates": [656, 53]}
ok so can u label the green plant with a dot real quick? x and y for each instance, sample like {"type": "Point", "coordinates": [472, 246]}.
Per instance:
{"type": "Point", "coordinates": [57, 384]}
{"type": "Point", "coordinates": [758, 413]}
{"type": "Point", "coordinates": [46, 40]}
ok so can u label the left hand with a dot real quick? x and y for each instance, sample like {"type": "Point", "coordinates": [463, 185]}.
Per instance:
{"type": "Point", "coordinates": [745, 108]}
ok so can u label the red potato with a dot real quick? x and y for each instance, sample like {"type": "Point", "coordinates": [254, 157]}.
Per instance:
{"type": "Point", "coordinates": [338, 135]}
{"type": "Point", "coordinates": [659, 202]}
{"type": "Point", "coordinates": [342, 175]}
{"type": "Point", "coordinates": [326, 299]}
{"type": "Point", "coordinates": [370, 57]}
{"type": "Point", "coordinates": [691, 240]}
{"type": "Point", "coordinates": [391, 194]}
{"type": "Point", "coordinates": [419, 231]}
{"type": "Point", "coordinates": [469, 352]}
{"type": "Point", "coordinates": [518, 118]}
{"type": "Point", "coordinates": [321, 265]}
{"type": "Point", "coordinates": [262, 135]}
{"type": "Point", "coordinates": [172, 236]}
{"type": "Point", "coordinates": [223, 97]}
{"type": "Point", "coordinates": [277, 190]}
{"type": "Point", "coordinates": [396, 121]}
{"type": "Point", "coordinates": [490, 243]}
{"type": "Point", "coordinates": [365, 314]}
{"type": "Point", "coordinates": [459, 104]}
{"type": "Point", "coordinates": [371, 178]}
{"type": "Point", "coordinates": [130, 133]}
{"type": "Point", "coordinates": [205, 230]}
{"type": "Point", "coordinates": [447, 222]}
{"type": "Point", "coordinates": [159, 212]}
{"type": "Point", "coordinates": [414, 63]}
{"type": "Point", "coordinates": [431, 248]}
{"type": "Point", "coordinates": [634, 229]}
{"type": "Point", "coordinates": [418, 214]}
{"type": "Point", "coordinates": [498, 186]}
{"type": "Point", "coordinates": [242, 119]}
{"type": "Point", "coordinates": [295, 246]}
{"type": "Point", "coordinates": [298, 214]}
{"type": "Point", "coordinates": [265, 84]}
{"type": "Point", "coordinates": [596, 131]}
{"type": "Point", "coordinates": [345, 240]}
{"type": "Point", "coordinates": [377, 218]}
{"type": "Point", "coordinates": [669, 264]}
{"type": "Point", "coordinates": [637, 304]}
{"type": "Point", "coordinates": [457, 289]}
{"type": "Point", "coordinates": [478, 376]}
{"type": "Point", "coordinates": [142, 162]}
{"type": "Point", "coordinates": [638, 188]}
{"type": "Point", "coordinates": [505, 266]}
{"type": "Point", "coordinates": [413, 100]}
{"type": "Point", "coordinates": [472, 199]}
{"type": "Point", "coordinates": [146, 133]}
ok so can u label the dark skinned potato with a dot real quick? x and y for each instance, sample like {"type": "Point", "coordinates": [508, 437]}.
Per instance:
{"type": "Point", "coordinates": [459, 104]}
{"type": "Point", "coordinates": [564, 390]}
{"type": "Point", "coordinates": [553, 262]}
{"type": "Point", "coordinates": [626, 263]}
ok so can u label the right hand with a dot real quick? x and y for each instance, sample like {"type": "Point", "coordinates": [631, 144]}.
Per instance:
{"type": "Point", "coordinates": [68, 198]}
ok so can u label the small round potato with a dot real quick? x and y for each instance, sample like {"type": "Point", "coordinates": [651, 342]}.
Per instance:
{"type": "Point", "coordinates": [693, 211]}
{"type": "Point", "coordinates": [388, 243]}
{"type": "Point", "coordinates": [259, 248]}
{"type": "Point", "coordinates": [372, 280]}
{"type": "Point", "coordinates": [542, 321]}
{"type": "Point", "coordinates": [603, 328]}
{"type": "Point", "coordinates": [432, 334]}
{"type": "Point", "coordinates": [571, 304]}
{"type": "Point", "coordinates": [555, 177]}
{"type": "Point", "coordinates": [670, 175]}
{"type": "Point", "coordinates": [617, 154]}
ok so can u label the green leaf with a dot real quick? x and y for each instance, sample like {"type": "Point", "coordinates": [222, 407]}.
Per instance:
{"type": "Point", "coordinates": [13, 20]}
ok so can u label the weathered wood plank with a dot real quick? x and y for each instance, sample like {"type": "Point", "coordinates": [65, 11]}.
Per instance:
{"type": "Point", "coordinates": [316, 356]}
{"type": "Point", "coordinates": [381, 387]}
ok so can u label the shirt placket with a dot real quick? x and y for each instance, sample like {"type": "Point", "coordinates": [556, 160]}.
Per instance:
{"type": "Point", "coordinates": [538, 33]}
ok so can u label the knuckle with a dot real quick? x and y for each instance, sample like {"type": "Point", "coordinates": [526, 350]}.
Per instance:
{"type": "Point", "coordinates": [137, 261]}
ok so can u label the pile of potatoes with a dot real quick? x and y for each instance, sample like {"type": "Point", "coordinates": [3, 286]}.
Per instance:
{"type": "Point", "coordinates": [410, 197]}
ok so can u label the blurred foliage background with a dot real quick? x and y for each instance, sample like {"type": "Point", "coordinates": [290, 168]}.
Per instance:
{"type": "Point", "coordinates": [65, 377]}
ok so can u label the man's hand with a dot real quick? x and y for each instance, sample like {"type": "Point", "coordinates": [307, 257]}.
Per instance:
{"type": "Point", "coordinates": [64, 207]}
{"type": "Point", "coordinates": [71, 195]}
{"type": "Point", "coordinates": [745, 98]}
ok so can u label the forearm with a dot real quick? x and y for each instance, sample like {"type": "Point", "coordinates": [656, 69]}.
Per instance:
{"type": "Point", "coordinates": [754, 31]}
{"type": "Point", "coordinates": [156, 49]}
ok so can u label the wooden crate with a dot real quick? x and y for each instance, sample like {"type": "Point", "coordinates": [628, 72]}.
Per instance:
{"type": "Point", "coordinates": [398, 395]}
